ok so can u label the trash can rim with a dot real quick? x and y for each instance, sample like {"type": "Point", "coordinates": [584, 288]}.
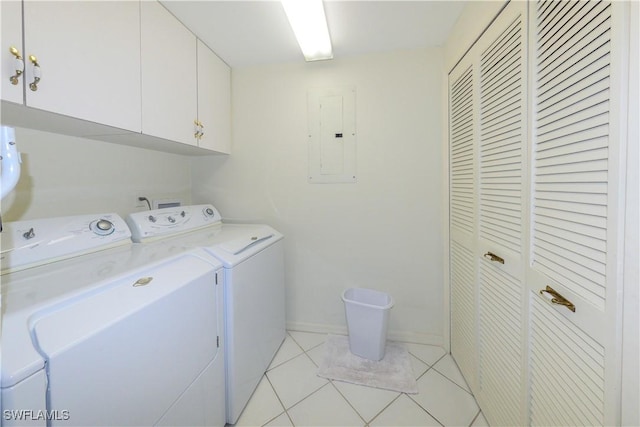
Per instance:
{"type": "Point", "coordinates": [363, 304]}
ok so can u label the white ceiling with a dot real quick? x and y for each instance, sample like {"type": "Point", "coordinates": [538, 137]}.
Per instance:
{"type": "Point", "coordinates": [245, 33]}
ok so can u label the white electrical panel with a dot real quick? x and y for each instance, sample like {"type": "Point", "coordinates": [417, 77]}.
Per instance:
{"type": "Point", "coordinates": [332, 135]}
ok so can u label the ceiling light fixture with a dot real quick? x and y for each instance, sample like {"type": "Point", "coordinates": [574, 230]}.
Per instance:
{"type": "Point", "coordinates": [309, 24]}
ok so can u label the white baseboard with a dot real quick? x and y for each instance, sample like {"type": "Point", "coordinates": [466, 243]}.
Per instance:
{"type": "Point", "coordinates": [402, 336]}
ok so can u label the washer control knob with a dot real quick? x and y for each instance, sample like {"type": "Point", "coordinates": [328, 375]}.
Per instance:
{"type": "Point", "coordinates": [102, 227]}
{"type": "Point", "coordinates": [171, 219]}
{"type": "Point", "coordinates": [183, 214]}
{"type": "Point", "coordinates": [29, 234]}
{"type": "Point", "coordinates": [209, 212]}
{"type": "Point", "coordinates": [152, 218]}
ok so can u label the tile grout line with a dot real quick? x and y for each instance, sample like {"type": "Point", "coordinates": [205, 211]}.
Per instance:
{"type": "Point", "coordinates": [444, 375]}
{"type": "Point", "coordinates": [384, 409]}
{"type": "Point", "coordinates": [423, 374]}
{"type": "Point", "coordinates": [475, 418]}
{"type": "Point", "coordinates": [366, 423]}
{"type": "Point", "coordinates": [303, 399]}
{"type": "Point", "coordinates": [349, 403]}
{"type": "Point", "coordinates": [425, 410]}
{"type": "Point", "coordinates": [331, 382]}
{"type": "Point", "coordinates": [447, 378]}
{"type": "Point", "coordinates": [270, 367]}
{"type": "Point", "coordinates": [284, 409]}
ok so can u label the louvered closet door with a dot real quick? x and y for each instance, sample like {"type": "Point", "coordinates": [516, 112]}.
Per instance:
{"type": "Point", "coordinates": [502, 142]}
{"type": "Point", "coordinates": [574, 356]}
{"type": "Point", "coordinates": [462, 221]}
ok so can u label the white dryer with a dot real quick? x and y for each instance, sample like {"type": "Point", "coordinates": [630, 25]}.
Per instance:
{"type": "Point", "coordinates": [108, 336]}
{"type": "Point", "coordinates": [253, 260]}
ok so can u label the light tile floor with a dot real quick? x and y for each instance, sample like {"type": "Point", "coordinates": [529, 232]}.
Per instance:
{"type": "Point", "coordinates": [291, 394]}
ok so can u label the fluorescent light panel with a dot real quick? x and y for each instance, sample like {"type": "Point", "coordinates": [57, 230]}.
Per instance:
{"type": "Point", "coordinates": [309, 24]}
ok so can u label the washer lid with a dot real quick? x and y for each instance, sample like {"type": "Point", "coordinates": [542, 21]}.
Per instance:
{"type": "Point", "coordinates": [238, 242]}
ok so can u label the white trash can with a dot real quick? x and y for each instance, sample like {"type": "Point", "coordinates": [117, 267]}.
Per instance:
{"type": "Point", "coordinates": [367, 320]}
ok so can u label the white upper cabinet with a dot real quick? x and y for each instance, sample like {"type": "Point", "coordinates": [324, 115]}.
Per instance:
{"type": "Point", "coordinates": [169, 79]}
{"type": "Point", "coordinates": [214, 101]}
{"type": "Point", "coordinates": [121, 71]}
{"type": "Point", "coordinates": [186, 92]}
{"type": "Point", "coordinates": [82, 59]}
{"type": "Point", "coordinates": [12, 52]}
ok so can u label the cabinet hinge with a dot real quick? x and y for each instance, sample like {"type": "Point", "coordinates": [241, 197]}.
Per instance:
{"type": "Point", "coordinates": [218, 341]}
{"type": "Point", "coordinates": [216, 278]}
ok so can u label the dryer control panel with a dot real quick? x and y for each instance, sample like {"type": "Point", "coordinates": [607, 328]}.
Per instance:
{"type": "Point", "coordinates": [40, 241]}
{"type": "Point", "coordinates": [158, 223]}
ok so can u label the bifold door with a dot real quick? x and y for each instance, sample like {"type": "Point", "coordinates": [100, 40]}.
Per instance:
{"type": "Point", "coordinates": [535, 113]}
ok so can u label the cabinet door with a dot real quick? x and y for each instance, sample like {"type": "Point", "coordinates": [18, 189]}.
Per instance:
{"type": "Point", "coordinates": [11, 37]}
{"type": "Point", "coordinates": [169, 97]}
{"type": "Point", "coordinates": [575, 179]}
{"type": "Point", "coordinates": [214, 100]}
{"type": "Point", "coordinates": [88, 53]}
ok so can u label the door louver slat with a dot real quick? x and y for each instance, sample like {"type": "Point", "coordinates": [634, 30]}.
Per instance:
{"type": "Point", "coordinates": [501, 138]}
{"type": "Point", "coordinates": [501, 135]}
{"type": "Point", "coordinates": [571, 155]}
{"type": "Point", "coordinates": [500, 345]}
{"type": "Point", "coordinates": [569, 371]}
{"type": "Point", "coordinates": [462, 309]}
{"type": "Point", "coordinates": [462, 157]}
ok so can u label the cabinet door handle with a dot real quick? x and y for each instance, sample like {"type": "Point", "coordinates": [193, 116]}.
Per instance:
{"type": "Point", "coordinates": [493, 257]}
{"type": "Point", "coordinates": [37, 74]}
{"type": "Point", "coordinates": [198, 129]}
{"type": "Point", "coordinates": [19, 65]}
{"type": "Point", "coordinates": [558, 299]}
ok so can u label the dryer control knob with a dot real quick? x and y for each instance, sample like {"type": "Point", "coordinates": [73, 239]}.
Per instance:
{"type": "Point", "coordinates": [171, 219]}
{"type": "Point", "coordinates": [152, 218]}
{"type": "Point", "coordinates": [209, 212]}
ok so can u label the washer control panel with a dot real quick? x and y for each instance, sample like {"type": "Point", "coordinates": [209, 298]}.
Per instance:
{"type": "Point", "coordinates": [40, 241]}
{"type": "Point", "coordinates": [159, 223]}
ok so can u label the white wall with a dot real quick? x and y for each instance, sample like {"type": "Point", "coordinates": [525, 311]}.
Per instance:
{"type": "Point", "coordinates": [63, 175]}
{"type": "Point", "coordinates": [385, 231]}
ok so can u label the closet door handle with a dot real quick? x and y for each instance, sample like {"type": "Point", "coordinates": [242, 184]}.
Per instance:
{"type": "Point", "coordinates": [558, 299]}
{"type": "Point", "coordinates": [19, 65]}
{"type": "Point", "coordinates": [493, 257]}
{"type": "Point", "coordinates": [37, 74]}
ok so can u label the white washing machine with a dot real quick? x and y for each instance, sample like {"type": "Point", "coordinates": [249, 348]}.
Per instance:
{"type": "Point", "coordinates": [113, 336]}
{"type": "Point", "coordinates": [253, 260]}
